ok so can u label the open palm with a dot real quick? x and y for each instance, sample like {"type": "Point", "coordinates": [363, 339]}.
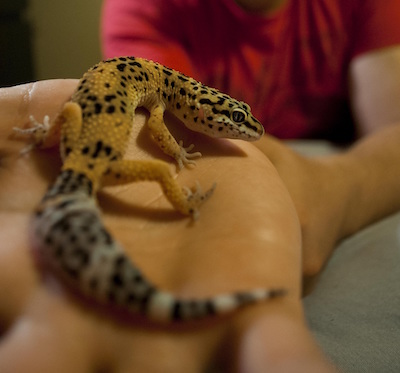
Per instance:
{"type": "Point", "coordinates": [247, 236]}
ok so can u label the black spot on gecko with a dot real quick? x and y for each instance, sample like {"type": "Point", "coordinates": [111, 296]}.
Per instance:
{"type": "Point", "coordinates": [117, 280]}
{"type": "Point", "coordinates": [109, 98]}
{"type": "Point", "coordinates": [62, 225]}
{"type": "Point", "coordinates": [120, 261]}
{"type": "Point", "coordinates": [108, 150]}
{"type": "Point", "coordinates": [107, 237]}
{"type": "Point", "coordinates": [110, 109]}
{"type": "Point", "coordinates": [97, 108]}
{"type": "Point", "coordinates": [121, 67]}
{"type": "Point", "coordinates": [135, 63]}
{"type": "Point", "coordinates": [59, 251]}
{"type": "Point", "coordinates": [177, 311]}
{"type": "Point", "coordinates": [182, 91]}
{"type": "Point", "coordinates": [166, 82]}
{"type": "Point", "coordinates": [73, 238]}
{"type": "Point", "coordinates": [92, 239]}
{"type": "Point", "coordinates": [182, 78]}
{"type": "Point", "coordinates": [210, 307]}
{"type": "Point", "coordinates": [144, 301]}
{"type": "Point", "coordinates": [131, 298]}
{"type": "Point", "coordinates": [167, 71]}
{"type": "Point", "coordinates": [206, 101]}
{"type": "Point", "coordinates": [99, 147]}
{"type": "Point", "coordinates": [64, 204]}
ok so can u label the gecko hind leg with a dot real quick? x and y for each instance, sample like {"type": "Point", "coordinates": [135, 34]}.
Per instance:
{"type": "Point", "coordinates": [185, 200]}
{"type": "Point", "coordinates": [66, 125]}
{"type": "Point", "coordinates": [38, 132]}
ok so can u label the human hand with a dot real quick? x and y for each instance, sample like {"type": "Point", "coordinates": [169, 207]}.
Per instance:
{"type": "Point", "coordinates": [246, 237]}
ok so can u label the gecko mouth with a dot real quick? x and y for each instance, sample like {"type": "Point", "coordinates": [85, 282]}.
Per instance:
{"type": "Point", "coordinates": [251, 132]}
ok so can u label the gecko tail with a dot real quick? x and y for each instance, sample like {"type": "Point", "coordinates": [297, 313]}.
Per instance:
{"type": "Point", "coordinates": [165, 307]}
{"type": "Point", "coordinates": [74, 242]}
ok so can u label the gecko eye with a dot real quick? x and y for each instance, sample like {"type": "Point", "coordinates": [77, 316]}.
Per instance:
{"type": "Point", "coordinates": [238, 115]}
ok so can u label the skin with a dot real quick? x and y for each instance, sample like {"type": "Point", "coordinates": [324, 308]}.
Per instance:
{"type": "Point", "coordinates": [55, 331]}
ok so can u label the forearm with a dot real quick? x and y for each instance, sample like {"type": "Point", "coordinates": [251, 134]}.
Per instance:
{"type": "Point", "coordinates": [373, 165]}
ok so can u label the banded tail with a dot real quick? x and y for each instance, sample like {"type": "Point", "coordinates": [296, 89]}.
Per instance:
{"type": "Point", "coordinates": [73, 239]}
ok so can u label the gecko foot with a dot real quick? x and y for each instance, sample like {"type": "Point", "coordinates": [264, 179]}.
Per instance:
{"type": "Point", "coordinates": [196, 198]}
{"type": "Point", "coordinates": [37, 132]}
{"type": "Point", "coordinates": [185, 158]}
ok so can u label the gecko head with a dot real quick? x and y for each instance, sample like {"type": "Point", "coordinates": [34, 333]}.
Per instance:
{"type": "Point", "coordinates": [220, 115]}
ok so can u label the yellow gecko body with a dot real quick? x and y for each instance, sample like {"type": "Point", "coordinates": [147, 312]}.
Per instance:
{"type": "Point", "coordinates": [95, 129]}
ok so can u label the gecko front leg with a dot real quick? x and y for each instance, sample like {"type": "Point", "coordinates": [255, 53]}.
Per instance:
{"type": "Point", "coordinates": [166, 141]}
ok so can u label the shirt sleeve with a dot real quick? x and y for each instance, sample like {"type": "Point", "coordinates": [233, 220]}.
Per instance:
{"type": "Point", "coordinates": [375, 24]}
{"type": "Point", "coordinates": [147, 29]}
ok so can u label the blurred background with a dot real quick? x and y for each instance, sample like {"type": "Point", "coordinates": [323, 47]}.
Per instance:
{"type": "Point", "coordinates": [46, 39]}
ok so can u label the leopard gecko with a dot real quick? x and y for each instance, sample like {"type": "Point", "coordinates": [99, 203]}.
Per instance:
{"type": "Point", "coordinates": [93, 129]}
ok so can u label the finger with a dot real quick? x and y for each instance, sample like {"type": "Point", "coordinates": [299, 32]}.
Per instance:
{"type": "Point", "coordinates": [39, 99]}
{"type": "Point", "coordinates": [17, 276]}
{"type": "Point", "coordinates": [280, 344]}
{"type": "Point", "coordinates": [46, 339]}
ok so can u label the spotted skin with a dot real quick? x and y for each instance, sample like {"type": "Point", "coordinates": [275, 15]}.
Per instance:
{"type": "Point", "coordinates": [95, 126]}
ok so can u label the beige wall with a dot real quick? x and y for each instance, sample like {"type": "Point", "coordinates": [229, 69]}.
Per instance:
{"type": "Point", "coordinates": [65, 36]}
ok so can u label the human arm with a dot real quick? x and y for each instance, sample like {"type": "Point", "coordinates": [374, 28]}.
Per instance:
{"type": "Point", "coordinates": [242, 239]}
{"type": "Point", "coordinates": [337, 195]}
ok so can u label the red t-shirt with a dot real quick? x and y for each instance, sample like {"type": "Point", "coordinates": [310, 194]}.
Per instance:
{"type": "Point", "coordinates": [291, 67]}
